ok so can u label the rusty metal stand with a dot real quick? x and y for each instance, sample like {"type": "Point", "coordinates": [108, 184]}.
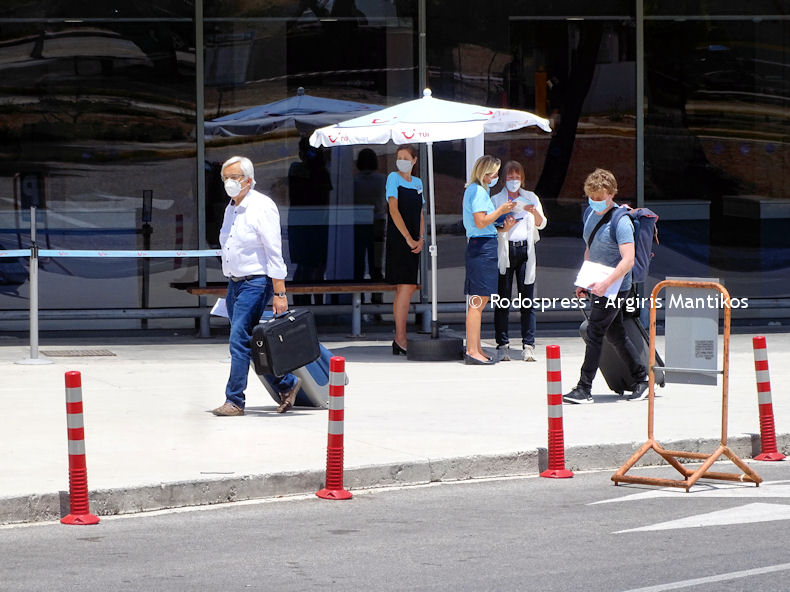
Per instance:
{"type": "Point", "coordinates": [671, 456]}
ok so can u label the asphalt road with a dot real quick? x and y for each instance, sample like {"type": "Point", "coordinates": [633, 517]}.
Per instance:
{"type": "Point", "coordinates": [580, 534]}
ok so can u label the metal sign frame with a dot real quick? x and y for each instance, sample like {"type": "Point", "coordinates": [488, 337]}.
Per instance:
{"type": "Point", "coordinates": [671, 456]}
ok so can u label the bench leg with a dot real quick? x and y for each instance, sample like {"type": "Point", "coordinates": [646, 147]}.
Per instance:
{"type": "Point", "coordinates": [205, 330]}
{"type": "Point", "coordinates": [356, 314]}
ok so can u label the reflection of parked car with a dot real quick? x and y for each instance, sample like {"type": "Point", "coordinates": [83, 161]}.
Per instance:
{"type": "Point", "coordinates": [720, 68]}
{"type": "Point", "coordinates": [12, 274]}
{"type": "Point", "coordinates": [87, 42]}
{"type": "Point", "coordinates": [126, 45]}
{"type": "Point", "coordinates": [715, 67]}
{"type": "Point", "coordinates": [314, 28]}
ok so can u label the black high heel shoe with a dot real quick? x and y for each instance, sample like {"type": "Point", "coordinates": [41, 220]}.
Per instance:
{"type": "Point", "coordinates": [397, 350]}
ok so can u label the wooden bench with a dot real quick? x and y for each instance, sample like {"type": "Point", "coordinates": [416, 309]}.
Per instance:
{"type": "Point", "coordinates": [356, 289]}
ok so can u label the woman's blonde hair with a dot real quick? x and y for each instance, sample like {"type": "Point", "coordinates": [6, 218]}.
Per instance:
{"type": "Point", "coordinates": [600, 180]}
{"type": "Point", "coordinates": [484, 165]}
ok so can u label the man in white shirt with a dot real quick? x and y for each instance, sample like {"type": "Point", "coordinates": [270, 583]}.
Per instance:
{"type": "Point", "coordinates": [253, 263]}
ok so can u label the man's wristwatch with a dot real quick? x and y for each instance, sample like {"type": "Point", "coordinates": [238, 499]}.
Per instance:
{"type": "Point", "coordinates": [280, 294]}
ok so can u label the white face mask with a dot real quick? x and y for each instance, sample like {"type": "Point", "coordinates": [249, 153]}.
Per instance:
{"type": "Point", "coordinates": [513, 185]}
{"type": "Point", "coordinates": [232, 187]}
{"type": "Point", "coordinates": [404, 166]}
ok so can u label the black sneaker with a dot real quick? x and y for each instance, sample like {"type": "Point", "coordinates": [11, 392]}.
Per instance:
{"type": "Point", "coordinates": [640, 391]}
{"type": "Point", "coordinates": [578, 396]}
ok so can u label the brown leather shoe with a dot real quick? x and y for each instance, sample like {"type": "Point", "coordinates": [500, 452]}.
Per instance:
{"type": "Point", "coordinates": [228, 410]}
{"type": "Point", "coordinates": [288, 398]}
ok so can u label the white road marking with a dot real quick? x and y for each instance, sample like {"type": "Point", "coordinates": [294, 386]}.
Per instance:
{"type": "Point", "coordinates": [767, 489]}
{"type": "Point", "coordinates": [750, 513]}
{"type": "Point", "coordinates": [733, 575]}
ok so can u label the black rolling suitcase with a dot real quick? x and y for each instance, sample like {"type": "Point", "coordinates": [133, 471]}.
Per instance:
{"type": "Point", "coordinates": [614, 369]}
{"type": "Point", "coordinates": [285, 343]}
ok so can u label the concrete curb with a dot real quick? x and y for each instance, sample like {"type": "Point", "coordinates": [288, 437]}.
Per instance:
{"type": "Point", "coordinates": [129, 500]}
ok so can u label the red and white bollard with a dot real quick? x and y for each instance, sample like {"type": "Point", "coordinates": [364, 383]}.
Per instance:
{"type": "Point", "coordinates": [334, 445]}
{"type": "Point", "coordinates": [556, 468]}
{"type": "Point", "coordinates": [79, 512]}
{"type": "Point", "coordinates": [765, 404]}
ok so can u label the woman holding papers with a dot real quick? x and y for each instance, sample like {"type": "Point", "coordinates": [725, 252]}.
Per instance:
{"type": "Point", "coordinates": [479, 215]}
{"type": "Point", "coordinates": [517, 258]}
{"type": "Point", "coordinates": [405, 232]}
{"type": "Point", "coordinates": [606, 315]}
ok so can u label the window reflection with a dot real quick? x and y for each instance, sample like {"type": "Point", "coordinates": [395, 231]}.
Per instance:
{"type": "Point", "coordinates": [97, 104]}
{"type": "Point", "coordinates": [343, 59]}
{"type": "Point", "coordinates": [102, 111]}
{"type": "Point", "coordinates": [716, 137]}
{"type": "Point", "coordinates": [571, 62]}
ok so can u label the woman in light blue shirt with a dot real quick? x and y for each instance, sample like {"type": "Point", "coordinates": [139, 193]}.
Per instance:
{"type": "Point", "coordinates": [479, 215]}
{"type": "Point", "coordinates": [405, 232]}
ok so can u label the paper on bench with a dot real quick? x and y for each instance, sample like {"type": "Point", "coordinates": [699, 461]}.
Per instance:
{"type": "Point", "coordinates": [591, 273]}
{"type": "Point", "coordinates": [220, 309]}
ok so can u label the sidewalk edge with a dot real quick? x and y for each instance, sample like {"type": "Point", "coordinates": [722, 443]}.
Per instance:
{"type": "Point", "coordinates": [129, 500]}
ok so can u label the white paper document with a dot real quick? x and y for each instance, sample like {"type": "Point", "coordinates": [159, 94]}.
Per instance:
{"type": "Point", "coordinates": [521, 202]}
{"type": "Point", "coordinates": [219, 309]}
{"type": "Point", "coordinates": [518, 211]}
{"type": "Point", "coordinates": [590, 273]}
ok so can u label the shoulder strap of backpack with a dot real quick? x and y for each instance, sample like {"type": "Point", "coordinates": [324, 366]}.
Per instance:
{"type": "Point", "coordinates": [621, 211]}
{"type": "Point", "coordinates": [607, 216]}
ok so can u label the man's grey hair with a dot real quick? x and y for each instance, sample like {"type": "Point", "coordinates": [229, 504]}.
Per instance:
{"type": "Point", "coordinates": [246, 167]}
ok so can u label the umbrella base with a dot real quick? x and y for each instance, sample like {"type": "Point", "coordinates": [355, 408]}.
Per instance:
{"type": "Point", "coordinates": [440, 349]}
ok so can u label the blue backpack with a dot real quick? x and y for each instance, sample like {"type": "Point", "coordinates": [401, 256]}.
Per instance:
{"type": "Point", "coordinates": [645, 233]}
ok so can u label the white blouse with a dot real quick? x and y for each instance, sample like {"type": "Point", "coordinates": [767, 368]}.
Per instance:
{"type": "Point", "coordinates": [525, 229]}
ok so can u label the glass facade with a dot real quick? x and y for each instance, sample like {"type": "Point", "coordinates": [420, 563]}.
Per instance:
{"type": "Point", "coordinates": [99, 104]}
{"type": "Point", "coordinates": [717, 94]}
{"type": "Point", "coordinates": [362, 53]}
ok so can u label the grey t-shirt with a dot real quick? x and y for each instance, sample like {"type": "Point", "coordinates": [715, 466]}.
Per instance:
{"type": "Point", "coordinates": [603, 249]}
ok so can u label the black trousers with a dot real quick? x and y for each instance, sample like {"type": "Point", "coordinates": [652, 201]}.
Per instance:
{"type": "Point", "coordinates": [518, 268]}
{"type": "Point", "coordinates": [606, 320]}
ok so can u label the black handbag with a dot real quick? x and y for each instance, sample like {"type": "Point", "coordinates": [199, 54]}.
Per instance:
{"type": "Point", "coordinates": [285, 343]}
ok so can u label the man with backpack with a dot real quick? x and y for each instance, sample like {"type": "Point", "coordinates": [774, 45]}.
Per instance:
{"type": "Point", "coordinates": [613, 248]}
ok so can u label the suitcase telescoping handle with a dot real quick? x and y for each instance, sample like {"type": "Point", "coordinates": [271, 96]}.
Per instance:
{"type": "Point", "coordinates": [584, 308]}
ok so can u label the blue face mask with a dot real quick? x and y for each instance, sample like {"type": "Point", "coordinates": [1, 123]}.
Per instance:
{"type": "Point", "coordinates": [597, 206]}
{"type": "Point", "coordinates": [493, 181]}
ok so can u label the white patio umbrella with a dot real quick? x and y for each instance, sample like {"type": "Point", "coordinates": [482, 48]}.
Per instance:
{"type": "Point", "coordinates": [426, 120]}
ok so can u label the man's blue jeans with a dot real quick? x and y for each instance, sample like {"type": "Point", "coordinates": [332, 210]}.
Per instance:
{"type": "Point", "coordinates": [246, 302]}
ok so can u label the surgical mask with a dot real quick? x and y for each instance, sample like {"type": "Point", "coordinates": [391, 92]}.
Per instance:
{"type": "Point", "coordinates": [493, 181]}
{"type": "Point", "coordinates": [404, 166]}
{"type": "Point", "coordinates": [597, 206]}
{"type": "Point", "coordinates": [232, 187]}
{"type": "Point", "coordinates": [513, 185]}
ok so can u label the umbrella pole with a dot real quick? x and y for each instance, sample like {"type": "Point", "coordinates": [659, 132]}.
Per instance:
{"type": "Point", "coordinates": [432, 249]}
